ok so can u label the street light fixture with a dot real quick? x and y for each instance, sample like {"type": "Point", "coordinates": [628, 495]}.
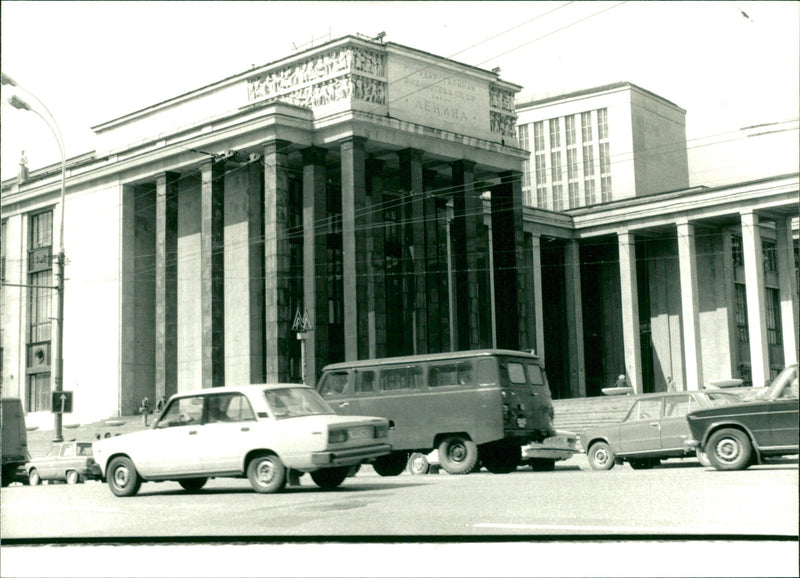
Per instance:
{"type": "Point", "coordinates": [58, 373]}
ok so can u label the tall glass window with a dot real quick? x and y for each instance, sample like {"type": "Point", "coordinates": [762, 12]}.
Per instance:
{"type": "Point", "coordinates": [770, 255]}
{"type": "Point", "coordinates": [586, 126]}
{"type": "Point", "coordinates": [555, 166]}
{"type": "Point", "coordinates": [742, 329]}
{"type": "Point", "coordinates": [538, 136]}
{"type": "Point", "coordinates": [773, 311]}
{"type": "Point", "coordinates": [569, 123]}
{"type": "Point", "coordinates": [40, 304]}
{"type": "Point", "coordinates": [555, 133]}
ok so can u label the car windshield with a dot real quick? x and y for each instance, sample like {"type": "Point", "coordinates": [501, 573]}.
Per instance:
{"type": "Point", "coordinates": [295, 402]}
{"type": "Point", "coordinates": [783, 386]}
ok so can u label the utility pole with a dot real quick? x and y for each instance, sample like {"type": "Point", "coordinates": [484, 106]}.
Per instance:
{"type": "Point", "coordinates": [60, 261]}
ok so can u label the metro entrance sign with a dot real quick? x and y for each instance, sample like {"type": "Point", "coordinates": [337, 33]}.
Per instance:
{"type": "Point", "coordinates": [61, 401]}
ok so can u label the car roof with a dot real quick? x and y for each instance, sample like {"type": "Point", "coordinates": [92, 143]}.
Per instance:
{"type": "Point", "coordinates": [249, 388]}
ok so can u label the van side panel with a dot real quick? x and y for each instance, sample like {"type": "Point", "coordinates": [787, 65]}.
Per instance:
{"type": "Point", "coordinates": [417, 420]}
{"type": "Point", "coordinates": [15, 436]}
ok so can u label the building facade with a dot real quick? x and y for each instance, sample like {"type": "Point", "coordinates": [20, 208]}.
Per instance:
{"type": "Point", "coordinates": [364, 199]}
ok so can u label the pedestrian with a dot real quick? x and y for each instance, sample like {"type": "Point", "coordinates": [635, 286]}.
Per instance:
{"type": "Point", "coordinates": [670, 384]}
{"type": "Point", "coordinates": [160, 405]}
{"type": "Point", "coordinates": [145, 409]}
{"type": "Point", "coordinates": [621, 381]}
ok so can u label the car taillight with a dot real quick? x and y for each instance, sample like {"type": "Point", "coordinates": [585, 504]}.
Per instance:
{"type": "Point", "coordinates": [337, 436]}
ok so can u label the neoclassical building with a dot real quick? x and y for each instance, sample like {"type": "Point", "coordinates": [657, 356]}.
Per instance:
{"type": "Point", "coordinates": [364, 199]}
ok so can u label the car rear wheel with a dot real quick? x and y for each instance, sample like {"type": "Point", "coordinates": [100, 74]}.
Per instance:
{"type": "Point", "coordinates": [458, 455]}
{"type": "Point", "coordinates": [33, 478]}
{"type": "Point", "coordinates": [267, 474]}
{"type": "Point", "coordinates": [418, 464]}
{"type": "Point", "coordinates": [391, 464]}
{"type": "Point", "coordinates": [73, 477]}
{"type": "Point", "coordinates": [729, 449]}
{"type": "Point", "coordinates": [330, 478]}
{"type": "Point", "coordinates": [540, 465]}
{"type": "Point", "coordinates": [193, 484]}
{"type": "Point", "coordinates": [123, 479]}
{"type": "Point", "coordinates": [601, 456]}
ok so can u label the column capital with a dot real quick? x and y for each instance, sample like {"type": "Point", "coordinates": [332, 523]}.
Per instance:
{"type": "Point", "coordinates": [314, 155]}
{"type": "Point", "coordinates": [277, 146]}
{"type": "Point", "coordinates": [353, 142]}
{"type": "Point", "coordinates": [411, 154]}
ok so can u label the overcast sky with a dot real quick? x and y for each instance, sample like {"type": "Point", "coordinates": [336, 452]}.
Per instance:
{"type": "Point", "coordinates": [730, 65]}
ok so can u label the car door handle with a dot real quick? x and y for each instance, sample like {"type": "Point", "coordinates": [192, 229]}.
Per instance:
{"type": "Point", "coordinates": [655, 424]}
{"type": "Point", "coordinates": [193, 432]}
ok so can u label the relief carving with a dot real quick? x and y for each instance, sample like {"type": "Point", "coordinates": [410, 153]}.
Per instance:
{"type": "Point", "coordinates": [503, 124]}
{"type": "Point", "coordinates": [369, 90]}
{"type": "Point", "coordinates": [501, 99]}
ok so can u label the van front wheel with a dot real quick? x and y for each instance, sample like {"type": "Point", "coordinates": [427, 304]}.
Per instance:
{"type": "Point", "coordinates": [458, 455]}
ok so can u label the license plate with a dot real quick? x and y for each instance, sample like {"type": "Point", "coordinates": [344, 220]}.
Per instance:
{"type": "Point", "coordinates": [522, 422]}
{"type": "Point", "coordinates": [360, 433]}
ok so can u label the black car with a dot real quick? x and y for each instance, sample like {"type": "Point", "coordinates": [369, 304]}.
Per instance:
{"type": "Point", "coordinates": [736, 436]}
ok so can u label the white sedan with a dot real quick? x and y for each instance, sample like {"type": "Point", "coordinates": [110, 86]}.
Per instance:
{"type": "Point", "coordinates": [255, 431]}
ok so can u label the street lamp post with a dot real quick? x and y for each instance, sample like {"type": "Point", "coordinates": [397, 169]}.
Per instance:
{"type": "Point", "coordinates": [58, 373]}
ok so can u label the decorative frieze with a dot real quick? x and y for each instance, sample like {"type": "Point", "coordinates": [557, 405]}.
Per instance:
{"type": "Point", "coordinates": [324, 79]}
{"type": "Point", "coordinates": [502, 116]}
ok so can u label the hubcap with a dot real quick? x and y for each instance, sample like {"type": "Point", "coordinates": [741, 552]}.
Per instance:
{"type": "Point", "coordinates": [601, 457]}
{"type": "Point", "coordinates": [728, 449]}
{"type": "Point", "coordinates": [121, 476]}
{"type": "Point", "coordinates": [265, 472]}
{"type": "Point", "coordinates": [457, 453]}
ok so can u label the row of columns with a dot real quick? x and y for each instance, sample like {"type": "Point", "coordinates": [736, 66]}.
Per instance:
{"type": "Point", "coordinates": [246, 292]}
{"type": "Point", "coordinates": [690, 310]}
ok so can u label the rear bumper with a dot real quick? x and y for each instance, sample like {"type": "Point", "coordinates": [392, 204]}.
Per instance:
{"type": "Point", "coordinates": [349, 456]}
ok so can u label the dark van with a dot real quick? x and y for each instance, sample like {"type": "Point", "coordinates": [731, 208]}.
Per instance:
{"type": "Point", "coordinates": [474, 407]}
{"type": "Point", "coordinates": [15, 438]}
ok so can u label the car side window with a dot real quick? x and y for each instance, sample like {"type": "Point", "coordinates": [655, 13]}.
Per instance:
{"type": "Point", "coordinates": [67, 451]}
{"type": "Point", "coordinates": [365, 381]}
{"type": "Point", "coordinates": [228, 407]}
{"type": "Point", "coordinates": [645, 409]}
{"type": "Point", "coordinates": [677, 406]}
{"type": "Point", "coordinates": [182, 411]}
{"type": "Point", "coordinates": [333, 384]}
{"type": "Point", "coordinates": [54, 451]}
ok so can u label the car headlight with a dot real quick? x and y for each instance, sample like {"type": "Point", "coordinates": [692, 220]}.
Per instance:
{"type": "Point", "coordinates": [337, 436]}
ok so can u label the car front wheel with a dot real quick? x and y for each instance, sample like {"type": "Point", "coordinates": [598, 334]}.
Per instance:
{"type": "Point", "coordinates": [33, 478]}
{"type": "Point", "coordinates": [418, 464]}
{"type": "Point", "coordinates": [123, 479]}
{"type": "Point", "coordinates": [729, 449]}
{"type": "Point", "coordinates": [601, 457]}
{"type": "Point", "coordinates": [267, 474]}
{"type": "Point", "coordinates": [73, 477]}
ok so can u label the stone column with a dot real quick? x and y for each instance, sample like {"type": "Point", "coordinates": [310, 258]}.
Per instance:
{"type": "Point", "coordinates": [315, 258]}
{"type": "Point", "coordinates": [690, 310]}
{"type": "Point", "coordinates": [572, 283]}
{"type": "Point", "coordinates": [244, 275]}
{"type": "Point", "coordinates": [511, 265]}
{"type": "Point", "coordinates": [787, 279]}
{"type": "Point", "coordinates": [469, 257]}
{"type": "Point", "coordinates": [276, 260]}
{"type": "Point", "coordinates": [436, 309]}
{"type": "Point", "coordinates": [354, 248]}
{"type": "Point", "coordinates": [376, 259]}
{"type": "Point", "coordinates": [212, 269]}
{"type": "Point", "coordinates": [630, 310]}
{"type": "Point", "coordinates": [756, 312]}
{"type": "Point", "coordinates": [416, 310]}
{"type": "Point", "coordinates": [166, 285]}
{"type": "Point", "coordinates": [536, 257]}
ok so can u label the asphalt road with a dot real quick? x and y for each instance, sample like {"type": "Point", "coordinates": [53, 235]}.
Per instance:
{"type": "Point", "coordinates": [680, 500]}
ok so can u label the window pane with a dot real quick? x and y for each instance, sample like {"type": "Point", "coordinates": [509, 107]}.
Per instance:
{"type": "Point", "coordinates": [516, 372]}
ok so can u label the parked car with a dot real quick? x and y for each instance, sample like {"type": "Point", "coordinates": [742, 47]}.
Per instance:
{"type": "Point", "coordinates": [733, 438]}
{"type": "Point", "coordinates": [540, 456]}
{"type": "Point", "coordinates": [69, 461]}
{"type": "Point", "coordinates": [655, 428]}
{"type": "Point", "coordinates": [260, 432]}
